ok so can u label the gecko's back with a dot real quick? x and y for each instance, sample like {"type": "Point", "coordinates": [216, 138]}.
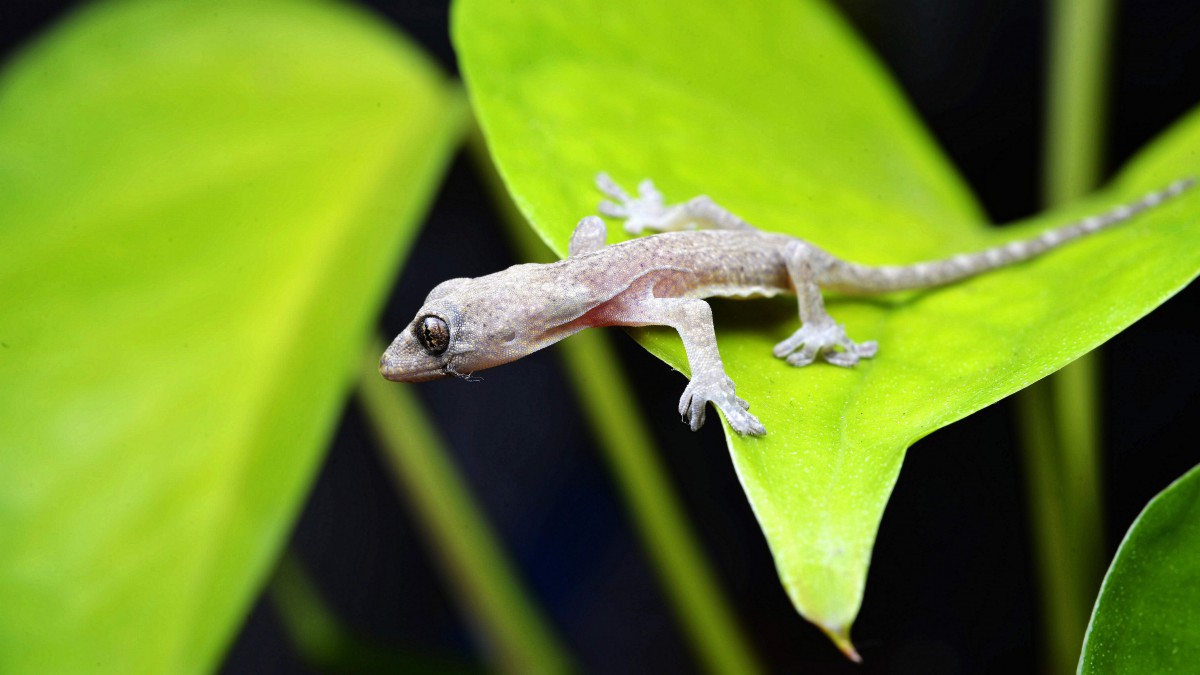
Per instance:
{"type": "Point", "coordinates": [694, 264]}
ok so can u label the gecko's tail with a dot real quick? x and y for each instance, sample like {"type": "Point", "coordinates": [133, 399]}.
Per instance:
{"type": "Point", "coordinates": [865, 278]}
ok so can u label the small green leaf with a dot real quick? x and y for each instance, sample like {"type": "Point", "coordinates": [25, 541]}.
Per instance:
{"type": "Point", "coordinates": [780, 114]}
{"type": "Point", "coordinates": [1147, 618]}
{"type": "Point", "coordinates": [201, 207]}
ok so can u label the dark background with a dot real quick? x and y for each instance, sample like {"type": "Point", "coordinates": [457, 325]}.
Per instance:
{"type": "Point", "coordinates": [951, 590]}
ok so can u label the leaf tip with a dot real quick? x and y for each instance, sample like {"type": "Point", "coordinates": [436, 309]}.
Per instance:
{"type": "Point", "coordinates": [841, 638]}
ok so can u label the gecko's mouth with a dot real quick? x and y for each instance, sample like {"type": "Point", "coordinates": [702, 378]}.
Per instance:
{"type": "Point", "coordinates": [392, 369]}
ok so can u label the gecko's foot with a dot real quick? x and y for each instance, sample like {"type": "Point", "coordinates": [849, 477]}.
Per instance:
{"type": "Point", "coordinates": [647, 211]}
{"type": "Point", "coordinates": [824, 339]}
{"type": "Point", "coordinates": [697, 395]}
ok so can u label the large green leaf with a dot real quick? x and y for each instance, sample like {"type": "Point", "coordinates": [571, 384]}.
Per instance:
{"type": "Point", "coordinates": [201, 206]}
{"type": "Point", "coordinates": [779, 113]}
{"type": "Point", "coordinates": [1147, 618]}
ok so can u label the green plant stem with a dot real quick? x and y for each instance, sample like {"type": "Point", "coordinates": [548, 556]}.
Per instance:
{"type": "Point", "coordinates": [1076, 91]}
{"type": "Point", "coordinates": [1060, 417]}
{"type": "Point", "coordinates": [1056, 556]}
{"type": "Point", "coordinates": [325, 645]}
{"type": "Point", "coordinates": [313, 630]}
{"type": "Point", "coordinates": [617, 424]}
{"type": "Point", "coordinates": [505, 617]}
{"type": "Point", "coordinates": [609, 405]}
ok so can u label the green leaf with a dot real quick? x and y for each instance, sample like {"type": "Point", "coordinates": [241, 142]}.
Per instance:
{"type": "Point", "coordinates": [201, 207]}
{"type": "Point", "coordinates": [1147, 618]}
{"type": "Point", "coordinates": [779, 113]}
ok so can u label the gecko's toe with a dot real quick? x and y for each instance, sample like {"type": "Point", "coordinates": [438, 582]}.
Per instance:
{"type": "Point", "coordinates": [788, 346]}
{"type": "Point", "coordinates": [853, 352]}
{"type": "Point", "coordinates": [609, 187]}
{"type": "Point", "coordinates": [802, 357]}
{"type": "Point", "coordinates": [746, 424]}
{"type": "Point", "coordinates": [612, 209]}
{"type": "Point", "coordinates": [647, 191]}
{"type": "Point", "coordinates": [843, 359]}
{"type": "Point", "coordinates": [692, 408]}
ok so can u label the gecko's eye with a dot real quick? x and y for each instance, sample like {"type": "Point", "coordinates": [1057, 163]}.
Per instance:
{"type": "Point", "coordinates": [433, 334]}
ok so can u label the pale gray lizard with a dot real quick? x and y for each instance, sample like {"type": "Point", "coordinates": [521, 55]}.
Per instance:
{"type": "Point", "coordinates": [468, 325]}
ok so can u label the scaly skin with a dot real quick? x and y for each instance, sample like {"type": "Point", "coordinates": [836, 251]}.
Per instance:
{"type": "Point", "coordinates": [468, 325]}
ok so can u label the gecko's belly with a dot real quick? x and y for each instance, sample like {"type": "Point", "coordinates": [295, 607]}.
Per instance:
{"type": "Point", "coordinates": [741, 284]}
{"type": "Point", "coordinates": [736, 292]}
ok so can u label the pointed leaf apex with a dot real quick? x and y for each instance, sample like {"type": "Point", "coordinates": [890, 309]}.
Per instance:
{"type": "Point", "coordinates": [841, 638]}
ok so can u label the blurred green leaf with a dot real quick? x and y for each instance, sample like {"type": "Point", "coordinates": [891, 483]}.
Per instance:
{"type": "Point", "coordinates": [201, 207]}
{"type": "Point", "coordinates": [1147, 618]}
{"type": "Point", "coordinates": [778, 112]}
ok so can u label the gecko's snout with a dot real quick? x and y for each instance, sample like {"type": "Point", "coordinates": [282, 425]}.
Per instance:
{"type": "Point", "coordinates": [406, 361]}
{"type": "Point", "coordinates": [387, 366]}
{"type": "Point", "coordinates": [393, 366]}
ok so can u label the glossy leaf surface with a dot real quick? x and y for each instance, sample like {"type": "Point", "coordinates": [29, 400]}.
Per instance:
{"type": "Point", "coordinates": [1147, 618]}
{"type": "Point", "coordinates": [778, 112]}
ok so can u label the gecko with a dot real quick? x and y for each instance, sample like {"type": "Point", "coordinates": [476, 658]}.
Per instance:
{"type": "Point", "coordinates": [700, 250]}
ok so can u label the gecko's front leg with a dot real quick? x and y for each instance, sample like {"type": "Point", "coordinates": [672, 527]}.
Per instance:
{"type": "Point", "coordinates": [649, 211]}
{"type": "Point", "coordinates": [693, 320]}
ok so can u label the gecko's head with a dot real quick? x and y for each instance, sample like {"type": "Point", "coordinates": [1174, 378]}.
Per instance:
{"type": "Point", "coordinates": [441, 341]}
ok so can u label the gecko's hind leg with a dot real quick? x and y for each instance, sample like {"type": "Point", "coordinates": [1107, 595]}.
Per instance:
{"type": "Point", "coordinates": [648, 211]}
{"type": "Point", "coordinates": [589, 235]}
{"type": "Point", "coordinates": [819, 334]}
